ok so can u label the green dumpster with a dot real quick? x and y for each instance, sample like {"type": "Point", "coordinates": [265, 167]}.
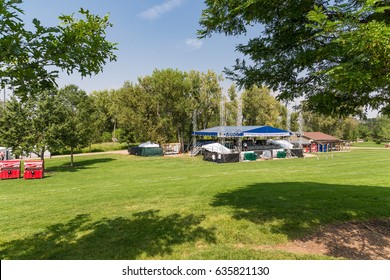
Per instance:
{"type": "Point", "coordinates": [250, 156]}
{"type": "Point", "coordinates": [281, 154]}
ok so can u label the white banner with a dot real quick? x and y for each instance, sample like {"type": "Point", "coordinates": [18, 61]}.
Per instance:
{"type": "Point", "coordinates": [112, 270]}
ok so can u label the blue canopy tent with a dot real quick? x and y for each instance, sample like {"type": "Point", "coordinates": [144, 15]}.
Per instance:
{"type": "Point", "coordinates": [242, 131]}
{"type": "Point", "coordinates": [238, 133]}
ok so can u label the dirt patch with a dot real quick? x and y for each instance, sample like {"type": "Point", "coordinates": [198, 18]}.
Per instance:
{"type": "Point", "coordinates": [369, 240]}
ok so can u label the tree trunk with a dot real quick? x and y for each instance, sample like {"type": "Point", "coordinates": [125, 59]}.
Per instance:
{"type": "Point", "coordinates": [42, 155]}
{"type": "Point", "coordinates": [71, 156]}
{"type": "Point", "coordinates": [178, 136]}
{"type": "Point", "coordinates": [181, 140]}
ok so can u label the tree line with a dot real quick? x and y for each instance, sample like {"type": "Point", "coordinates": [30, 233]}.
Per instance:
{"type": "Point", "coordinates": [161, 108]}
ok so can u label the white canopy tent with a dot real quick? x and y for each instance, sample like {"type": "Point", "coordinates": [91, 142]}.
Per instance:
{"type": "Point", "coordinates": [216, 147]}
{"type": "Point", "coordinates": [149, 145]}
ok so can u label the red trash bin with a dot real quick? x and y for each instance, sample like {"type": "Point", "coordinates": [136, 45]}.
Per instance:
{"type": "Point", "coordinates": [33, 169]}
{"type": "Point", "coordinates": [10, 169]}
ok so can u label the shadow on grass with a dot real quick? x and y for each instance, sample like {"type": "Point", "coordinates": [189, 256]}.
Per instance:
{"type": "Point", "coordinates": [146, 234]}
{"type": "Point", "coordinates": [296, 209]}
{"type": "Point", "coordinates": [78, 165]}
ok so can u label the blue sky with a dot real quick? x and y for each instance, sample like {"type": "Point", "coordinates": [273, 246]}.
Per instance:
{"type": "Point", "coordinates": [150, 34]}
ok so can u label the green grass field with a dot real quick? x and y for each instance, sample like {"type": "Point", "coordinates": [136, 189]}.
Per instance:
{"type": "Point", "coordinates": [127, 207]}
{"type": "Point", "coordinates": [368, 144]}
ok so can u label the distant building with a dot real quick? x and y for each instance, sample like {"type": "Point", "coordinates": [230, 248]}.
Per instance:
{"type": "Point", "coordinates": [313, 142]}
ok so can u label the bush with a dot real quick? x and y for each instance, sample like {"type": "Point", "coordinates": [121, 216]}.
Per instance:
{"type": "Point", "coordinates": [105, 147]}
{"type": "Point", "coordinates": [378, 142]}
{"type": "Point", "coordinates": [106, 137]}
{"type": "Point", "coordinates": [94, 148]}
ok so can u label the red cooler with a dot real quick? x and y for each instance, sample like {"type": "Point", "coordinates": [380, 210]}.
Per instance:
{"type": "Point", "coordinates": [33, 169]}
{"type": "Point", "coordinates": [10, 169]}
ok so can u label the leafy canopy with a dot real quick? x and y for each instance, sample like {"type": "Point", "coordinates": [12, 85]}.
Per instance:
{"type": "Point", "coordinates": [31, 60]}
{"type": "Point", "coordinates": [335, 54]}
{"type": "Point", "coordinates": [50, 120]}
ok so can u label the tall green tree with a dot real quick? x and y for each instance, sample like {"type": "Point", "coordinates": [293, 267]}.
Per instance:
{"type": "Point", "coordinates": [33, 125]}
{"type": "Point", "coordinates": [30, 60]}
{"type": "Point", "coordinates": [232, 106]}
{"type": "Point", "coordinates": [104, 114]}
{"type": "Point", "coordinates": [171, 91]}
{"type": "Point", "coordinates": [322, 123]}
{"type": "Point", "coordinates": [259, 107]}
{"type": "Point", "coordinates": [206, 93]}
{"type": "Point", "coordinates": [15, 126]}
{"type": "Point", "coordinates": [350, 129]}
{"type": "Point", "coordinates": [135, 113]}
{"type": "Point", "coordinates": [333, 53]}
{"type": "Point", "coordinates": [343, 128]}
{"type": "Point", "coordinates": [45, 114]}
{"type": "Point", "coordinates": [76, 131]}
{"type": "Point", "coordinates": [364, 132]}
{"type": "Point", "coordinates": [382, 129]}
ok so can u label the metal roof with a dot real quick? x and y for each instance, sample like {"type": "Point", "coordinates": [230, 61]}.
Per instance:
{"type": "Point", "coordinates": [242, 131]}
{"type": "Point", "coordinates": [319, 136]}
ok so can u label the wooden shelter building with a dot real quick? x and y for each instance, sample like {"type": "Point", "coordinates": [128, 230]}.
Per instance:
{"type": "Point", "coordinates": [313, 142]}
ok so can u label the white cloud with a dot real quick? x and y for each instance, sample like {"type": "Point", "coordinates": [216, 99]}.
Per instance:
{"type": "Point", "coordinates": [194, 43]}
{"type": "Point", "coordinates": [157, 11]}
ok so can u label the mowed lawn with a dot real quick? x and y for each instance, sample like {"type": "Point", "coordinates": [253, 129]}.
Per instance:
{"type": "Point", "coordinates": [127, 207]}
